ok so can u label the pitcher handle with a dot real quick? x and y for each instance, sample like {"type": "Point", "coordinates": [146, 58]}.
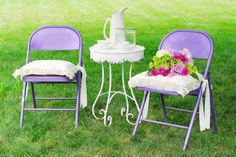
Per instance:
{"type": "Point", "coordinates": [104, 28]}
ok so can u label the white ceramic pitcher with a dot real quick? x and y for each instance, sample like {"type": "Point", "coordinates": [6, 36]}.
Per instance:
{"type": "Point", "coordinates": [117, 24]}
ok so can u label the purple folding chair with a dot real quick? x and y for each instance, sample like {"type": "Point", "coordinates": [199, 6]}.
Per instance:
{"type": "Point", "coordinates": [201, 46]}
{"type": "Point", "coordinates": [53, 38]}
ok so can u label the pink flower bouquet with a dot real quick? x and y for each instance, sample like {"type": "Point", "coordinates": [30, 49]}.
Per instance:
{"type": "Point", "coordinates": [170, 63]}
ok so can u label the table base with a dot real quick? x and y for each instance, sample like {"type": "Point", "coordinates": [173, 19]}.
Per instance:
{"type": "Point", "coordinates": [107, 119]}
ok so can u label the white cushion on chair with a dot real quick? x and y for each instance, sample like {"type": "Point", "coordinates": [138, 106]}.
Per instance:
{"type": "Point", "coordinates": [48, 67]}
{"type": "Point", "coordinates": [178, 83]}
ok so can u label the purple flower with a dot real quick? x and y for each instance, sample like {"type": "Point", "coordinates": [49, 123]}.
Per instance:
{"type": "Point", "coordinates": [153, 72]}
{"type": "Point", "coordinates": [172, 72]}
{"type": "Point", "coordinates": [179, 67]}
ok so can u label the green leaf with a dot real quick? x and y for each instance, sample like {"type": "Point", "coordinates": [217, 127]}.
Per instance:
{"type": "Point", "coordinates": [188, 65]}
{"type": "Point", "coordinates": [194, 75]}
{"type": "Point", "coordinates": [194, 68]}
{"type": "Point", "coordinates": [155, 58]}
{"type": "Point", "coordinates": [151, 65]}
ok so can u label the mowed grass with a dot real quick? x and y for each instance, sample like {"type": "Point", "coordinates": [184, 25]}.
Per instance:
{"type": "Point", "coordinates": [53, 133]}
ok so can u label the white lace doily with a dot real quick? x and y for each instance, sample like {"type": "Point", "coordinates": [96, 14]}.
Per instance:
{"type": "Point", "coordinates": [115, 56]}
{"type": "Point", "coordinates": [180, 84]}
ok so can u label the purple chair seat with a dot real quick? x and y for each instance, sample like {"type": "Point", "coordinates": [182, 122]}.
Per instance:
{"type": "Point", "coordinates": [41, 78]}
{"type": "Point", "coordinates": [193, 92]}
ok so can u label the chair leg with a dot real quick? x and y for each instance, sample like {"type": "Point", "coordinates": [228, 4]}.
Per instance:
{"type": "Point", "coordinates": [213, 114]}
{"type": "Point", "coordinates": [24, 93]}
{"type": "Point", "coordinates": [77, 110]}
{"type": "Point", "coordinates": [33, 94]}
{"type": "Point", "coordinates": [192, 120]}
{"type": "Point", "coordinates": [163, 107]}
{"type": "Point", "coordinates": [140, 112]}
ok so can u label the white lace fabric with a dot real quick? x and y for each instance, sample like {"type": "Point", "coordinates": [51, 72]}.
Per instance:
{"type": "Point", "coordinates": [116, 58]}
{"type": "Point", "coordinates": [180, 84]}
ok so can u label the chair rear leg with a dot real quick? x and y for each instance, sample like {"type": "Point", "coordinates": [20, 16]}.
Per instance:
{"type": "Point", "coordinates": [163, 107]}
{"type": "Point", "coordinates": [24, 93]}
{"type": "Point", "coordinates": [140, 112]}
{"type": "Point", "coordinates": [213, 114]}
{"type": "Point", "coordinates": [192, 120]}
{"type": "Point", "coordinates": [77, 109]}
{"type": "Point", "coordinates": [33, 94]}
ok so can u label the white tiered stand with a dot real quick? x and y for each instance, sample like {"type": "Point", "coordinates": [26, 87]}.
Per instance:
{"type": "Point", "coordinates": [114, 56]}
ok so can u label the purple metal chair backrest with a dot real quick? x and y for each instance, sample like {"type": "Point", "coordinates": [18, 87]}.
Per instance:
{"type": "Point", "coordinates": [55, 38]}
{"type": "Point", "coordinates": [199, 43]}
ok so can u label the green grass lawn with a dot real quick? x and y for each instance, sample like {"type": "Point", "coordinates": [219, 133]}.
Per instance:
{"type": "Point", "coordinates": [53, 133]}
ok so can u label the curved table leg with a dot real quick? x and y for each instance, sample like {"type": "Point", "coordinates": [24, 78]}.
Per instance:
{"type": "Point", "coordinates": [107, 118]}
{"type": "Point", "coordinates": [99, 94]}
{"type": "Point", "coordinates": [123, 109]}
{"type": "Point", "coordinates": [128, 115]}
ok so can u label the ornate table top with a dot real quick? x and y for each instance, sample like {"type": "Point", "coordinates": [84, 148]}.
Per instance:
{"type": "Point", "coordinates": [116, 56]}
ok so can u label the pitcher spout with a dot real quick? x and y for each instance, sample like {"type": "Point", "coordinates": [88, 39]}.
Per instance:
{"type": "Point", "coordinates": [121, 11]}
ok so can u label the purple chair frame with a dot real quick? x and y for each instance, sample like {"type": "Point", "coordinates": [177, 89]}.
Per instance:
{"type": "Point", "coordinates": [201, 46]}
{"type": "Point", "coordinates": [53, 38]}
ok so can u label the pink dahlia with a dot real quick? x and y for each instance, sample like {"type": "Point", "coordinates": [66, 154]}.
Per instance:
{"type": "Point", "coordinates": [153, 72]}
{"type": "Point", "coordinates": [184, 71]}
{"type": "Point", "coordinates": [163, 71]}
{"type": "Point", "coordinates": [184, 59]}
{"type": "Point", "coordinates": [177, 55]}
{"type": "Point", "coordinates": [180, 56]}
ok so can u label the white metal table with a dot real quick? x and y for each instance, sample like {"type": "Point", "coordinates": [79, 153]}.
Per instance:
{"type": "Point", "coordinates": [114, 56]}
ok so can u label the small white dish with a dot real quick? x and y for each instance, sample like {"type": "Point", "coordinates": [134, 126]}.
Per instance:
{"type": "Point", "coordinates": [103, 43]}
{"type": "Point", "coordinates": [124, 45]}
